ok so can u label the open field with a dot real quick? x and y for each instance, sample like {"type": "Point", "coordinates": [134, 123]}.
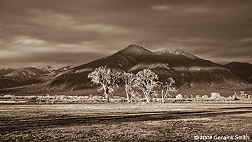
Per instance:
{"type": "Point", "coordinates": [123, 122]}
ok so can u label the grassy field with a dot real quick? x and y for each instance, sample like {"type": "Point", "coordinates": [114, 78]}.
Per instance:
{"type": "Point", "coordinates": [123, 122]}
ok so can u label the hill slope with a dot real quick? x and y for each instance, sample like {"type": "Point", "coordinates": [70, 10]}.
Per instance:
{"type": "Point", "coordinates": [5, 71]}
{"type": "Point", "coordinates": [243, 70]}
{"type": "Point", "coordinates": [194, 72]}
{"type": "Point", "coordinates": [21, 77]}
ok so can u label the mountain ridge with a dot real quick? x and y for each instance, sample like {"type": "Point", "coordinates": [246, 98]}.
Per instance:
{"type": "Point", "coordinates": [179, 65]}
{"type": "Point", "coordinates": [243, 70]}
{"type": "Point", "coordinates": [177, 52]}
{"type": "Point", "coordinates": [188, 70]}
{"type": "Point", "coordinates": [128, 56]}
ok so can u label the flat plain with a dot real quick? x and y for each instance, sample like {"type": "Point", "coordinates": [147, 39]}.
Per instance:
{"type": "Point", "coordinates": [124, 122]}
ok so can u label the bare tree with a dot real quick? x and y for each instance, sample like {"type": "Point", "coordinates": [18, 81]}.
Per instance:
{"type": "Point", "coordinates": [167, 87]}
{"type": "Point", "coordinates": [146, 80]}
{"type": "Point", "coordinates": [128, 79]}
{"type": "Point", "coordinates": [107, 78]}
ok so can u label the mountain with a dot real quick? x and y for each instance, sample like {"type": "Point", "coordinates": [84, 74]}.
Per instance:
{"type": "Point", "coordinates": [186, 54]}
{"type": "Point", "coordinates": [187, 69]}
{"type": "Point", "coordinates": [177, 52]}
{"type": "Point", "coordinates": [249, 79]}
{"type": "Point", "coordinates": [20, 77]}
{"type": "Point", "coordinates": [243, 70]}
{"type": "Point", "coordinates": [137, 52]}
{"type": "Point", "coordinates": [5, 71]}
{"type": "Point", "coordinates": [30, 77]}
{"type": "Point", "coordinates": [122, 60]}
{"type": "Point", "coordinates": [25, 73]}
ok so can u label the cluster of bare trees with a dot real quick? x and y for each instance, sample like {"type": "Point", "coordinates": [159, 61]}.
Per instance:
{"type": "Point", "coordinates": [145, 81]}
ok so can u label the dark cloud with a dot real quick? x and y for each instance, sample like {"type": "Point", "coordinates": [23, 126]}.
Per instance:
{"type": "Point", "coordinates": [54, 59]}
{"type": "Point", "coordinates": [66, 32]}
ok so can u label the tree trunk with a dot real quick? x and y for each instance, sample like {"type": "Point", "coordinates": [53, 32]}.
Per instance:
{"type": "Point", "coordinates": [107, 98]}
{"type": "Point", "coordinates": [167, 93]}
{"type": "Point", "coordinates": [147, 98]}
{"type": "Point", "coordinates": [127, 94]}
{"type": "Point", "coordinates": [131, 96]}
{"type": "Point", "coordinates": [106, 95]}
{"type": "Point", "coordinates": [128, 98]}
{"type": "Point", "coordinates": [162, 96]}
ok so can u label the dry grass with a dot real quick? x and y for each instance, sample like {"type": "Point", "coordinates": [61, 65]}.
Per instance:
{"type": "Point", "coordinates": [123, 122]}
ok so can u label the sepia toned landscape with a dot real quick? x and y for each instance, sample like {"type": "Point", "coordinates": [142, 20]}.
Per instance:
{"type": "Point", "coordinates": [125, 122]}
{"type": "Point", "coordinates": [117, 70]}
{"type": "Point", "coordinates": [129, 106]}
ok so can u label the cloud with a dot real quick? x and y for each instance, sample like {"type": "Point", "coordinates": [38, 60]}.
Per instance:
{"type": "Point", "coordinates": [49, 18]}
{"type": "Point", "coordinates": [27, 41]}
{"type": "Point", "coordinates": [206, 28]}
{"type": "Point", "coordinates": [180, 8]}
{"type": "Point", "coordinates": [47, 58]}
{"type": "Point", "coordinates": [101, 28]}
{"type": "Point", "coordinates": [195, 9]}
{"type": "Point", "coordinates": [6, 55]}
{"type": "Point", "coordinates": [247, 40]}
{"type": "Point", "coordinates": [161, 7]}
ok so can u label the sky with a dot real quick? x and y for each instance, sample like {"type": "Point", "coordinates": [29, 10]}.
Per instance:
{"type": "Point", "coordinates": [73, 32]}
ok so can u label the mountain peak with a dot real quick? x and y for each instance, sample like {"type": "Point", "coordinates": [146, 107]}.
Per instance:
{"type": "Point", "coordinates": [178, 51]}
{"type": "Point", "coordinates": [137, 52]}
{"type": "Point", "coordinates": [184, 53]}
{"type": "Point", "coordinates": [134, 47]}
{"type": "Point", "coordinates": [162, 51]}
